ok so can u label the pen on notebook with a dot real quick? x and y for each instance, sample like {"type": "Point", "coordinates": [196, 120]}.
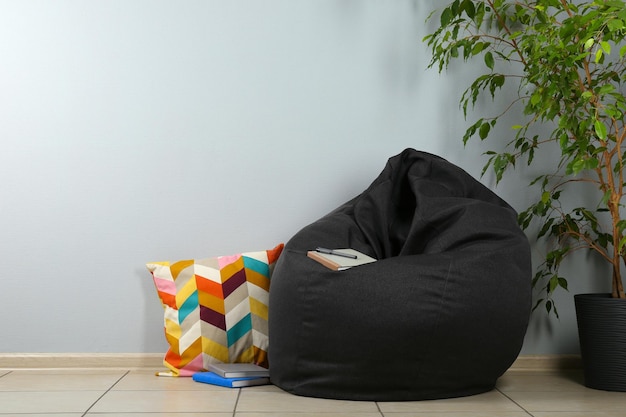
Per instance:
{"type": "Point", "coordinates": [334, 252]}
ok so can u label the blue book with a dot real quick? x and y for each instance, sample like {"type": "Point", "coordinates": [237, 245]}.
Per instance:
{"type": "Point", "coordinates": [215, 379]}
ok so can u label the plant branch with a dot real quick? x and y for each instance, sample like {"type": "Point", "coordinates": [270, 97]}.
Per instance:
{"type": "Point", "coordinates": [569, 83]}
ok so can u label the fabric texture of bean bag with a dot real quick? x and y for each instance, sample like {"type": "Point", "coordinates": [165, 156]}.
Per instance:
{"type": "Point", "coordinates": [442, 313]}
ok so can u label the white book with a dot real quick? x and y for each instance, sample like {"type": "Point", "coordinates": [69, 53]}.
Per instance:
{"type": "Point", "coordinates": [338, 262]}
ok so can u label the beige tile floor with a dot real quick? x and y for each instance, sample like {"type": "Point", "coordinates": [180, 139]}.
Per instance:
{"type": "Point", "coordinates": [138, 393]}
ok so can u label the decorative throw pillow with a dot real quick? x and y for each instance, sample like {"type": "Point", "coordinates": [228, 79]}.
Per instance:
{"type": "Point", "coordinates": [216, 309]}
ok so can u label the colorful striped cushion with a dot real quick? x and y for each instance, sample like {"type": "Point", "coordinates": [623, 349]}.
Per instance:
{"type": "Point", "coordinates": [216, 309]}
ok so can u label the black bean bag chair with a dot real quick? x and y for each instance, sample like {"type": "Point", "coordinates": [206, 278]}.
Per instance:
{"type": "Point", "coordinates": [442, 313]}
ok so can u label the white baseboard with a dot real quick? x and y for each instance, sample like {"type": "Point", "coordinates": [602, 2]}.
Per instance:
{"type": "Point", "coordinates": [546, 362]}
{"type": "Point", "coordinates": [81, 360]}
{"type": "Point", "coordinates": [155, 361]}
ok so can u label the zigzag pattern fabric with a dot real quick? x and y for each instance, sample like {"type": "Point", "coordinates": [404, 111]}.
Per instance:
{"type": "Point", "coordinates": [215, 309]}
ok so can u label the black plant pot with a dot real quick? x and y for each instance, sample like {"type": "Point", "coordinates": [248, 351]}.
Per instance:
{"type": "Point", "coordinates": [602, 333]}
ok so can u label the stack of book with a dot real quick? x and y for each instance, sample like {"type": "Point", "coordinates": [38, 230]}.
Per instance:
{"type": "Point", "coordinates": [234, 375]}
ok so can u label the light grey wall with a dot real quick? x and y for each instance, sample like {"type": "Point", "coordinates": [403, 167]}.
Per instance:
{"type": "Point", "coordinates": [146, 130]}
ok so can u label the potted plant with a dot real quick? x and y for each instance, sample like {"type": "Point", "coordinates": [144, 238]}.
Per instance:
{"type": "Point", "coordinates": [566, 60]}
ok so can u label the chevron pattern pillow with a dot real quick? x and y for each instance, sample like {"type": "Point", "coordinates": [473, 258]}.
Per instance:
{"type": "Point", "coordinates": [216, 309]}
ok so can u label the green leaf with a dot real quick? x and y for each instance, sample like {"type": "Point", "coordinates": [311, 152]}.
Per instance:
{"type": "Point", "coordinates": [554, 282]}
{"type": "Point", "coordinates": [599, 56]}
{"type": "Point", "coordinates": [478, 48]}
{"type": "Point", "coordinates": [589, 43]}
{"type": "Point", "coordinates": [592, 163]}
{"type": "Point", "coordinates": [600, 129]}
{"type": "Point", "coordinates": [547, 226]}
{"type": "Point", "coordinates": [489, 61]}
{"type": "Point", "coordinates": [446, 16]}
{"type": "Point", "coordinates": [615, 25]}
{"type": "Point", "coordinates": [484, 130]}
{"type": "Point", "coordinates": [497, 82]}
{"type": "Point", "coordinates": [469, 8]}
{"type": "Point", "coordinates": [576, 166]}
{"type": "Point", "coordinates": [564, 141]}
{"type": "Point", "coordinates": [535, 98]}
{"type": "Point", "coordinates": [606, 89]}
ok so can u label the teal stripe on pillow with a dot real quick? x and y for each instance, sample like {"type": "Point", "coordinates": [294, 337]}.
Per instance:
{"type": "Point", "coordinates": [239, 330]}
{"type": "Point", "coordinates": [256, 265]}
{"type": "Point", "coordinates": [190, 304]}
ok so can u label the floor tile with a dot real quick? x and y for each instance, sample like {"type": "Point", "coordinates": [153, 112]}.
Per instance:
{"type": "Point", "coordinates": [167, 401]}
{"type": "Point", "coordinates": [46, 415]}
{"type": "Point", "coordinates": [492, 401]}
{"type": "Point", "coordinates": [157, 415]}
{"type": "Point", "coordinates": [458, 414]}
{"type": "Point", "coordinates": [309, 414]}
{"type": "Point", "coordinates": [148, 381]}
{"type": "Point", "coordinates": [526, 381]}
{"type": "Point", "coordinates": [277, 401]}
{"type": "Point", "coordinates": [139, 393]}
{"type": "Point", "coordinates": [47, 402]}
{"type": "Point", "coordinates": [579, 414]}
{"type": "Point", "coordinates": [61, 380]}
{"type": "Point", "coordinates": [582, 401]}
